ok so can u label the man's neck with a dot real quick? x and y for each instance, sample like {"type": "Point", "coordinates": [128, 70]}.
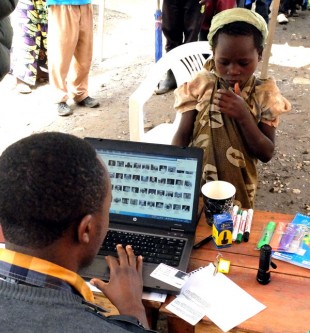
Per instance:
{"type": "Point", "coordinates": [53, 253]}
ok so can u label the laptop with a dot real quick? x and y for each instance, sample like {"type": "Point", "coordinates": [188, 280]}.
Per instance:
{"type": "Point", "coordinates": [155, 195]}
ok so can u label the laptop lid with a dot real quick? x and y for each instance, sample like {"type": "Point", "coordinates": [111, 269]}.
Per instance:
{"type": "Point", "coordinates": [155, 190]}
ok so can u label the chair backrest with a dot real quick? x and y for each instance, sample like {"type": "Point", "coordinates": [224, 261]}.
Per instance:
{"type": "Point", "coordinates": [185, 61]}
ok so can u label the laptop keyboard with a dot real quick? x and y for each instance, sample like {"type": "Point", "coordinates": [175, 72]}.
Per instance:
{"type": "Point", "coordinates": [153, 249]}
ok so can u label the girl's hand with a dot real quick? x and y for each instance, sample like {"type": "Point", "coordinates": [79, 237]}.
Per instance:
{"type": "Point", "coordinates": [231, 103]}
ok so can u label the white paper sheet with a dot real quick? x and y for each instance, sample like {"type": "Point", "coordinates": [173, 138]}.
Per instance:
{"type": "Point", "coordinates": [151, 296]}
{"type": "Point", "coordinates": [217, 297]}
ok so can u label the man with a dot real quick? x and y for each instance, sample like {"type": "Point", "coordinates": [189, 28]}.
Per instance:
{"type": "Point", "coordinates": [261, 7]}
{"type": "Point", "coordinates": [6, 35]}
{"type": "Point", "coordinates": [181, 23]}
{"type": "Point", "coordinates": [55, 196]}
{"type": "Point", "coordinates": [70, 46]}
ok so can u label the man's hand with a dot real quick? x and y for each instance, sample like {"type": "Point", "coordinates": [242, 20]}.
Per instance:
{"type": "Point", "coordinates": [125, 287]}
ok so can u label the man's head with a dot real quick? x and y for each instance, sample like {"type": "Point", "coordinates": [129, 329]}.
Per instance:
{"type": "Point", "coordinates": [49, 183]}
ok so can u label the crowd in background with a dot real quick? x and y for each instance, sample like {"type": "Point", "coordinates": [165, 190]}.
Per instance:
{"type": "Point", "coordinates": [183, 21]}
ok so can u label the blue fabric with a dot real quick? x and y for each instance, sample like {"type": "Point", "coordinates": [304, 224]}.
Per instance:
{"type": "Point", "coordinates": [68, 2]}
{"type": "Point", "coordinates": [158, 35]}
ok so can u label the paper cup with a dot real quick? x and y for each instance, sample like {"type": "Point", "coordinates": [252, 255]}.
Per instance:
{"type": "Point", "coordinates": [218, 198]}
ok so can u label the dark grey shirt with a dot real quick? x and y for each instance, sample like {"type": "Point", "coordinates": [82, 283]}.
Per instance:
{"type": "Point", "coordinates": [31, 309]}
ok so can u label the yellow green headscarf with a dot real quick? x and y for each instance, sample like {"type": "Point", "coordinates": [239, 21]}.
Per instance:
{"type": "Point", "coordinates": [237, 15]}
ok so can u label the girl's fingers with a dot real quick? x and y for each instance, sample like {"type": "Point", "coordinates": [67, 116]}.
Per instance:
{"type": "Point", "coordinates": [237, 89]}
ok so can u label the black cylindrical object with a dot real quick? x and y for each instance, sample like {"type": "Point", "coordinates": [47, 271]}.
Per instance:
{"type": "Point", "coordinates": [263, 274]}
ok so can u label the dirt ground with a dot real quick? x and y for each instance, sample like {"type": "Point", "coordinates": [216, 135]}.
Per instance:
{"type": "Point", "coordinates": [128, 53]}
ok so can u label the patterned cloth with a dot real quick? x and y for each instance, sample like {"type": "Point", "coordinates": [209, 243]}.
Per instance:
{"type": "Point", "coordinates": [41, 273]}
{"type": "Point", "coordinates": [225, 155]}
{"type": "Point", "coordinates": [30, 40]}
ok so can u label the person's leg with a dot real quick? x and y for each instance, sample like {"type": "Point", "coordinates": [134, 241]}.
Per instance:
{"type": "Point", "coordinates": [192, 20]}
{"type": "Point", "coordinates": [284, 6]}
{"type": "Point", "coordinates": [172, 27]}
{"type": "Point", "coordinates": [81, 62]}
{"type": "Point", "coordinates": [25, 48]}
{"type": "Point", "coordinates": [62, 41]}
{"type": "Point", "coordinates": [172, 23]}
{"type": "Point", "coordinates": [283, 12]}
{"type": "Point", "coordinates": [262, 9]}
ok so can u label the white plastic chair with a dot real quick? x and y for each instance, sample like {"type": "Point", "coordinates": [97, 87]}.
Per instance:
{"type": "Point", "coordinates": [184, 61]}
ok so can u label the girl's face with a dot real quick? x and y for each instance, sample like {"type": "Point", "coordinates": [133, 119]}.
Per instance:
{"type": "Point", "coordinates": [236, 58]}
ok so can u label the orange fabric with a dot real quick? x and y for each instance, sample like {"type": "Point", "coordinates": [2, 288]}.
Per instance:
{"type": "Point", "coordinates": [48, 268]}
{"type": "Point", "coordinates": [70, 50]}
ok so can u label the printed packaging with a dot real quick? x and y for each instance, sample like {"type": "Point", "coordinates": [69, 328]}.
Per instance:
{"type": "Point", "coordinates": [222, 230]}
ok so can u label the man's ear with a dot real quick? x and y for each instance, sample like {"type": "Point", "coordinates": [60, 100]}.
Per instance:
{"type": "Point", "coordinates": [84, 229]}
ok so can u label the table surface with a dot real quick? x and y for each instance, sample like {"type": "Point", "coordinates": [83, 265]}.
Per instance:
{"type": "Point", "coordinates": [287, 296]}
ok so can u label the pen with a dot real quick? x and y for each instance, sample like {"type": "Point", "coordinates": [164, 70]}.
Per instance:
{"type": "Point", "coordinates": [202, 242]}
{"type": "Point", "coordinates": [248, 225]}
{"type": "Point", "coordinates": [237, 225]}
{"type": "Point", "coordinates": [268, 232]}
{"type": "Point", "coordinates": [242, 226]}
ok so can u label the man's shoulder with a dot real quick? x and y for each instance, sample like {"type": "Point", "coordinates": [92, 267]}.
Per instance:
{"type": "Point", "coordinates": [60, 310]}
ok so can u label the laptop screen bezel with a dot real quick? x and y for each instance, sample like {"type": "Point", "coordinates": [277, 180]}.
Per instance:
{"type": "Point", "coordinates": [163, 150]}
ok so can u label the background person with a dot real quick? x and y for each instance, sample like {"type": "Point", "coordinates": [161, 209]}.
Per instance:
{"type": "Point", "coordinates": [181, 23]}
{"type": "Point", "coordinates": [70, 51]}
{"type": "Point", "coordinates": [212, 7]}
{"type": "Point", "coordinates": [55, 195]}
{"type": "Point", "coordinates": [29, 52]}
{"type": "Point", "coordinates": [6, 35]}
{"type": "Point", "coordinates": [226, 110]}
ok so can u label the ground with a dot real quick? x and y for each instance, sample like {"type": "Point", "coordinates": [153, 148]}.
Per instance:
{"type": "Point", "coordinates": [128, 53]}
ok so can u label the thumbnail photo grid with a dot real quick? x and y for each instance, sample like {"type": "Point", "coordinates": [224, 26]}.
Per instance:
{"type": "Point", "coordinates": [161, 189]}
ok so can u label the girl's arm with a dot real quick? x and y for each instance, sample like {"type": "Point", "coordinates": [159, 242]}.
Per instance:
{"type": "Point", "coordinates": [184, 132]}
{"type": "Point", "coordinates": [259, 139]}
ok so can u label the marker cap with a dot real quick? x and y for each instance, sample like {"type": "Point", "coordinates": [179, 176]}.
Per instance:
{"type": "Point", "coordinates": [246, 236]}
{"type": "Point", "coordinates": [239, 238]}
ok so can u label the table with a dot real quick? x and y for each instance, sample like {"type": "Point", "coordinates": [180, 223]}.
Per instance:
{"type": "Point", "coordinates": [287, 296]}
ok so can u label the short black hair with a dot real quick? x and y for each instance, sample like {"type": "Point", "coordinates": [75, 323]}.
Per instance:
{"type": "Point", "coordinates": [241, 28]}
{"type": "Point", "coordinates": [48, 182]}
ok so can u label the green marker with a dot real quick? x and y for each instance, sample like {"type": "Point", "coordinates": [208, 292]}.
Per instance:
{"type": "Point", "coordinates": [268, 232]}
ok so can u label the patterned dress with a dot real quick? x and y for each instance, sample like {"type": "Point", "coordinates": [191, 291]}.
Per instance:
{"type": "Point", "coordinates": [29, 50]}
{"type": "Point", "coordinates": [225, 154]}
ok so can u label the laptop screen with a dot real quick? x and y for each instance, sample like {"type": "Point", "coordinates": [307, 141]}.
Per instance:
{"type": "Point", "coordinates": [152, 182]}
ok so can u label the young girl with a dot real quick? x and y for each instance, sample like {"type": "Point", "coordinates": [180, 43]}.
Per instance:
{"type": "Point", "coordinates": [226, 110]}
